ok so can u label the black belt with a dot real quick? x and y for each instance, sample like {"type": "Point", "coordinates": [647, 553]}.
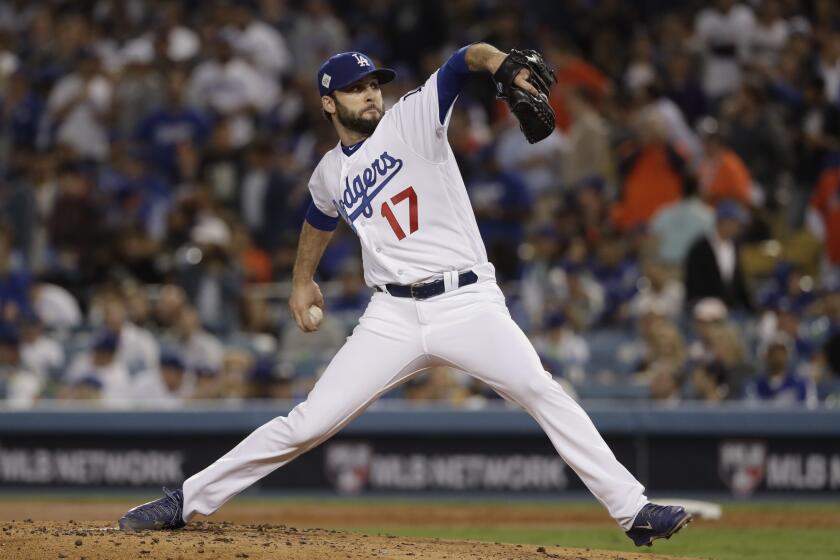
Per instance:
{"type": "Point", "coordinates": [429, 289]}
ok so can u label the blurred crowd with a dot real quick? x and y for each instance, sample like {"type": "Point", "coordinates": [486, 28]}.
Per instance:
{"type": "Point", "coordinates": [677, 237]}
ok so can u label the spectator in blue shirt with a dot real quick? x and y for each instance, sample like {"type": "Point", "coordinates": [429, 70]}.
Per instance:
{"type": "Point", "coordinates": [21, 113]}
{"type": "Point", "coordinates": [779, 384]}
{"type": "Point", "coordinates": [502, 203]}
{"type": "Point", "coordinates": [617, 273]}
{"type": "Point", "coordinates": [167, 131]}
{"type": "Point", "coordinates": [14, 283]}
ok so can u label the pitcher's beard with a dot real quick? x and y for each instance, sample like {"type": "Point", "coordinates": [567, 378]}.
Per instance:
{"type": "Point", "coordinates": [356, 122]}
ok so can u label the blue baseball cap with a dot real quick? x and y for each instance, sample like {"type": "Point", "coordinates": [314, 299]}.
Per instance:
{"type": "Point", "coordinates": [732, 210]}
{"type": "Point", "coordinates": [343, 69]}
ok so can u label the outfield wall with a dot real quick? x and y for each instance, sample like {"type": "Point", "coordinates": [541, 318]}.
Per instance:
{"type": "Point", "coordinates": [391, 449]}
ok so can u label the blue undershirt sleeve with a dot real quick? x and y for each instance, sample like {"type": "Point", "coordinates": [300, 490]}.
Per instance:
{"type": "Point", "coordinates": [319, 220]}
{"type": "Point", "coordinates": [451, 79]}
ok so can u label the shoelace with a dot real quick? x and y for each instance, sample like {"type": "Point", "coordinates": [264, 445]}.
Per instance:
{"type": "Point", "coordinates": [162, 507]}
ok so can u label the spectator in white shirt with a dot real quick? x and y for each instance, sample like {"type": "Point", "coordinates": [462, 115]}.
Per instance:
{"type": "Point", "coordinates": [100, 368]}
{"type": "Point", "coordinates": [166, 386]}
{"type": "Point", "coordinates": [563, 349]}
{"type": "Point", "coordinates": [55, 307]}
{"type": "Point", "coordinates": [39, 353]}
{"type": "Point", "coordinates": [19, 387]}
{"type": "Point", "coordinates": [201, 349]}
{"type": "Point", "coordinates": [138, 349]}
{"type": "Point", "coordinates": [259, 42]}
{"type": "Point", "coordinates": [79, 106]}
{"type": "Point", "coordinates": [234, 89]}
{"type": "Point", "coordinates": [723, 33]}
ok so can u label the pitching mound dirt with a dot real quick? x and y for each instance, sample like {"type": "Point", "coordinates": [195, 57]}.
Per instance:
{"type": "Point", "coordinates": [30, 540]}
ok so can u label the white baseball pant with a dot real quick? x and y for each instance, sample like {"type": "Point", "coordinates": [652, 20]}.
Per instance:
{"type": "Point", "coordinates": [468, 328]}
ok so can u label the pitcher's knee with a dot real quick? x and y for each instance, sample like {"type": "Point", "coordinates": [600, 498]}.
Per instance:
{"type": "Point", "coordinates": [537, 385]}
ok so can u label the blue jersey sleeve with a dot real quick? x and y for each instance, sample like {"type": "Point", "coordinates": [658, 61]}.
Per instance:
{"type": "Point", "coordinates": [451, 79]}
{"type": "Point", "coordinates": [319, 220]}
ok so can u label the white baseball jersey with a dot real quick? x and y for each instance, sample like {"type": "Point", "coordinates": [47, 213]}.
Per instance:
{"type": "Point", "coordinates": [403, 195]}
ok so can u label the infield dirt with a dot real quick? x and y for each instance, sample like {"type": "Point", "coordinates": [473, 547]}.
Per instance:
{"type": "Point", "coordinates": [294, 531]}
{"type": "Point", "coordinates": [30, 540]}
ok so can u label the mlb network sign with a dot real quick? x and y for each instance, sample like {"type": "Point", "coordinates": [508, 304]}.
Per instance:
{"type": "Point", "coordinates": [744, 465]}
{"type": "Point", "coordinates": [353, 467]}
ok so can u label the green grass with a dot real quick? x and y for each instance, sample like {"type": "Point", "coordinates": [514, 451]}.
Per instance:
{"type": "Point", "coordinates": [697, 542]}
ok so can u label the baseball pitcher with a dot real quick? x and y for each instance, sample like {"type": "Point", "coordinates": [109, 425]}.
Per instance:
{"type": "Point", "coordinates": [393, 179]}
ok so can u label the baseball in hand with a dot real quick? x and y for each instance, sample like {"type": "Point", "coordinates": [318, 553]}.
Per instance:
{"type": "Point", "coordinates": [315, 314]}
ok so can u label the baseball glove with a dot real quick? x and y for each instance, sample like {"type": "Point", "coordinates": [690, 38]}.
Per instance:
{"type": "Point", "coordinates": [535, 115]}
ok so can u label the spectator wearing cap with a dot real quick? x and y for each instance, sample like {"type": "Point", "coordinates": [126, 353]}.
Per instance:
{"type": "Point", "coordinates": [712, 267]}
{"type": "Point", "coordinates": [165, 386]}
{"type": "Point", "coordinates": [102, 365]}
{"type": "Point", "coordinates": [722, 174]}
{"type": "Point", "coordinates": [779, 384]}
{"type": "Point", "coordinates": [79, 107]}
{"type": "Point", "coordinates": [676, 226]}
{"type": "Point", "coordinates": [267, 382]}
{"type": "Point", "coordinates": [564, 352]}
{"type": "Point", "coordinates": [19, 386]}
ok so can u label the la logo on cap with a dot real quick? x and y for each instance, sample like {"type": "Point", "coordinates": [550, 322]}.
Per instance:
{"type": "Point", "coordinates": [325, 80]}
{"type": "Point", "coordinates": [361, 59]}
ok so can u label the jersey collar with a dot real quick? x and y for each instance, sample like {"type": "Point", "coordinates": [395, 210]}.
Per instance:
{"type": "Point", "coordinates": [351, 149]}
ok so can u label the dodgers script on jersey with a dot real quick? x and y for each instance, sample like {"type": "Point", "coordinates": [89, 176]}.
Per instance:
{"type": "Point", "coordinates": [403, 195]}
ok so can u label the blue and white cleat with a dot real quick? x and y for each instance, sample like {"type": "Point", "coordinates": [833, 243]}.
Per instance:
{"type": "Point", "coordinates": [163, 513]}
{"type": "Point", "coordinates": [657, 522]}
